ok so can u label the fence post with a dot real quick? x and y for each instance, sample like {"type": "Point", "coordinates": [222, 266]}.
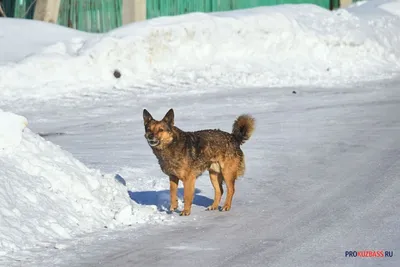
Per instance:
{"type": "Point", "coordinates": [133, 10]}
{"type": "Point", "coordinates": [345, 3]}
{"type": "Point", "coordinates": [47, 10]}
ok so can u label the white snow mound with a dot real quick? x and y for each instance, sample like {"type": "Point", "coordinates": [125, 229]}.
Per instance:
{"type": "Point", "coordinates": [11, 126]}
{"type": "Point", "coordinates": [46, 194]}
{"type": "Point", "coordinates": [282, 45]}
{"type": "Point", "coordinates": [21, 38]}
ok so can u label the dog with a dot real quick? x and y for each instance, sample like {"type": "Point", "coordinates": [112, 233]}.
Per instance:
{"type": "Point", "coordinates": [184, 156]}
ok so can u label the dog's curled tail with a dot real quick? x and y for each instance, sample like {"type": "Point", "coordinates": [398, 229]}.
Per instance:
{"type": "Point", "coordinates": [243, 128]}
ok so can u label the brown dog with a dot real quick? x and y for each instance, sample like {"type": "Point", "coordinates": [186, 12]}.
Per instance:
{"type": "Point", "coordinates": [186, 155]}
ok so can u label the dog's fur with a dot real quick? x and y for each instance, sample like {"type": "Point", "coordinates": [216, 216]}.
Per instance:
{"type": "Point", "coordinates": [186, 155]}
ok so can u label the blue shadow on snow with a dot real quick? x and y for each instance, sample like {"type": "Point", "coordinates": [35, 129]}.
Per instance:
{"type": "Point", "coordinates": [161, 198]}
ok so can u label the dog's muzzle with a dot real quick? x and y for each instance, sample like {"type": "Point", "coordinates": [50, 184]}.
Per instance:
{"type": "Point", "coordinates": [153, 142]}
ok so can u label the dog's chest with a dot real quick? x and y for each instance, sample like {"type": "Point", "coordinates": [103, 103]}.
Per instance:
{"type": "Point", "coordinates": [171, 164]}
{"type": "Point", "coordinates": [171, 169]}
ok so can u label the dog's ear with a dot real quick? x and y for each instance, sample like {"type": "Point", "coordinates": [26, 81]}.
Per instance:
{"type": "Point", "coordinates": [146, 117]}
{"type": "Point", "coordinates": [169, 117]}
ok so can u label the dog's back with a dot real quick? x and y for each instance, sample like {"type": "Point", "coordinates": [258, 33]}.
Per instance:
{"type": "Point", "coordinates": [220, 146]}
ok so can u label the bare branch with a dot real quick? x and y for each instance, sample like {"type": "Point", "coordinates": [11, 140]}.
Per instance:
{"type": "Point", "coordinates": [29, 8]}
{"type": "Point", "coordinates": [2, 13]}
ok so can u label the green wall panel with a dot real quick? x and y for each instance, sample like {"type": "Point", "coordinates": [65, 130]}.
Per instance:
{"type": "Point", "coordinates": [105, 15]}
{"type": "Point", "coordinates": [91, 15]}
{"type": "Point", "coordinates": [19, 8]}
{"type": "Point", "coordinates": [157, 8]}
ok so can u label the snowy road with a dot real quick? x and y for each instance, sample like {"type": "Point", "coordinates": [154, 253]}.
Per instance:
{"type": "Point", "coordinates": [322, 177]}
{"type": "Point", "coordinates": [322, 166]}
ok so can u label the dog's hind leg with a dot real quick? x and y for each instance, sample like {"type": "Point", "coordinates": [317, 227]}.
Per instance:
{"type": "Point", "coordinates": [230, 186]}
{"type": "Point", "coordinates": [216, 180]}
{"type": "Point", "coordinates": [230, 174]}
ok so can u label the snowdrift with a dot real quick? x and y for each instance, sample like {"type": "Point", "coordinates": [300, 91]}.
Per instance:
{"type": "Point", "coordinates": [267, 46]}
{"type": "Point", "coordinates": [22, 38]}
{"type": "Point", "coordinates": [46, 194]}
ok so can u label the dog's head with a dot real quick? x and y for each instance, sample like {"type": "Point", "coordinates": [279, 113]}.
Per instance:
{"type": "Point", "coordinates": [158, 133]}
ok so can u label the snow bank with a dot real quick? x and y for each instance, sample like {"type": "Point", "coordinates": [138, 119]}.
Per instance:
{"type": "Point", "coordinates": [267, 46]}
{"type": "Point", "coordinates": [46, 194]}
{"type": "Point", "coordinates": [11, 126]}
{"type": "Point", "coordinates": [21, 38]}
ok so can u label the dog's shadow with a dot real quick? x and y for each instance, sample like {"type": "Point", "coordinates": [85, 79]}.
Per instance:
{"type": "Point", "coordinates": [161, 199]}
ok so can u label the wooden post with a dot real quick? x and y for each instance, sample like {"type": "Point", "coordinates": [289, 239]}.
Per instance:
{"type": "Point", "coordinates": [47, 10]}
{"type": "Point", "coordinates": [345, 3]}
{"type": "Point", "coordinates": [133, 10]}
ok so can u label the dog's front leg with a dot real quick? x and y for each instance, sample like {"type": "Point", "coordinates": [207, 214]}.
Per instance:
{"type": "Point", "coordinates": [173, 190]}
{"type": "Point", "coordinates": [188, 194]}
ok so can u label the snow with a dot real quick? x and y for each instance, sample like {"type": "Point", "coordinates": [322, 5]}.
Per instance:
{"type": "Point", "coordinates": [322, 178]}
{"type": "Point", "coordinates": [391, 7]}
{"type": "Point", "coordinates": [266, 46]}
{"type": "Point", "coordinates": [11, 126]}
{"type": "Point", "coordinates": [46, 194]}
{"type": "Point", "coordinates": [21, 38]}
{"type": "Point", "coordinates": [81, 187]}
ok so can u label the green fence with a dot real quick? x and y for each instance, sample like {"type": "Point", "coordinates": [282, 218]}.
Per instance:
{"type": "Point", "coordinates": [91, 15]}
{"type": "Point", "coordinates": [157, 8]}
{"type": "Point", "coordinates": [84, 15]}
{"type": "Point", "coordinates": [105, 15]}
{"type": "Point", "coordinates": [19, 8]}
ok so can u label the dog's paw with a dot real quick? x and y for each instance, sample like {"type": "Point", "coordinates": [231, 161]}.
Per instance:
{"type": "Point", "coordinates": [185, 213]}
{"type": "Point", "coordinates": [173, 205]}
{"type": "Point", "coordinates": [173, 208]}
{"type": "Point", "coordinates": [226, 208]}
{"type": "Point", "coordinates": [212, 207]}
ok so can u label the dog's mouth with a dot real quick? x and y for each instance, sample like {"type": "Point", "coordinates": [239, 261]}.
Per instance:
{"type": "Point", "coordinates": [153, 142]}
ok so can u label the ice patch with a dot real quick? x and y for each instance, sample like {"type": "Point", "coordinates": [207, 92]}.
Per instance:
{"type": "Point", "coordinates": [188, 248]}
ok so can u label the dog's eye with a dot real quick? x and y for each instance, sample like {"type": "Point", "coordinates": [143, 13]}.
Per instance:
{"type": "Point", "coordinates": [161, 130]}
